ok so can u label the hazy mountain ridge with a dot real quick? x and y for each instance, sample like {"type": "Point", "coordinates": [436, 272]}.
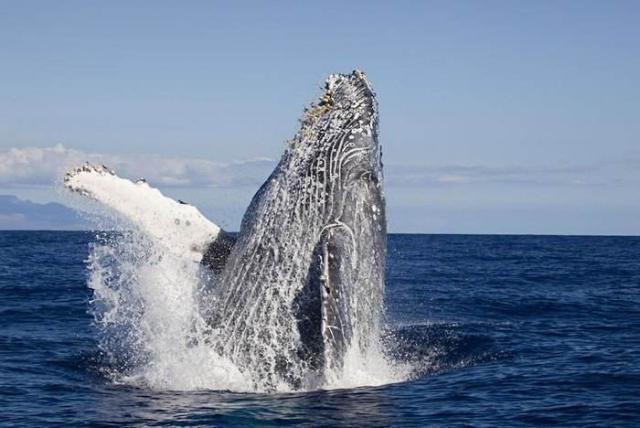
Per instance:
{"type": "Point", "coordinates": [19, 214]}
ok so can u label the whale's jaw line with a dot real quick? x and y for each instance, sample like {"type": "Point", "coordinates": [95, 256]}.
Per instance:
{"type": "Point", "coordinates": [309, 257]}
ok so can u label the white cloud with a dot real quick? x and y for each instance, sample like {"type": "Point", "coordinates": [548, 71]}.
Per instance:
{"type": "Point", "coordinates": [450, 178]}
{"type": "Point", "coordinates": [43, 166]}
{"type": "Point", "coordinates": [32, 166]}
{"type": "Point", "coordinates": [596, 174]}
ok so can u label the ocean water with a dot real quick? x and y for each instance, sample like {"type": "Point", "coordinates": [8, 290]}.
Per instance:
{"type": "Point", "coordinates": [497, 331]}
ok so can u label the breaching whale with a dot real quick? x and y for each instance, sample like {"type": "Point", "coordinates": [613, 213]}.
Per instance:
{"type": "Point", "coordinates": [301, 284]}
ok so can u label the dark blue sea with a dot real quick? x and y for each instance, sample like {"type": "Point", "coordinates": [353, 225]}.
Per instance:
{"type": "Point", "coordinates": [503, 330]}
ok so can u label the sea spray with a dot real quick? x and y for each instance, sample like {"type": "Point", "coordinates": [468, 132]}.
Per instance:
{"type": "Point", "coordinates": [146, 306]}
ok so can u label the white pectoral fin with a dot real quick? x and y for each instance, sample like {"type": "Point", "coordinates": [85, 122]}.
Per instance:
{"type": "Point", "coordinates": [179, 226]}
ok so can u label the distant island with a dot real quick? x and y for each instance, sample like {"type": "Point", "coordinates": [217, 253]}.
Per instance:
{"type": "Point", "coordinates": [19, 214]}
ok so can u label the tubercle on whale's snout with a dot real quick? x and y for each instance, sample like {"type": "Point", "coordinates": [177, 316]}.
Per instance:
{"type": "Point", "coordinates": [356, 77]}
{"type": "Point", "coordinates": [348, 92]}
{"type": "Point", "coordinates": [348, 102]}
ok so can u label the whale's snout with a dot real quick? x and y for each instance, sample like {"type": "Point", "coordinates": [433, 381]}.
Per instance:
{"type": "Point", "coordinates": [341, 128]}
{"type": "Point", "coordinates": [351, 91]}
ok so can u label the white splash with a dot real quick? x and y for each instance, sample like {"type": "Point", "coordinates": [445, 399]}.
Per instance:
{"type": "Point", "coordinates": [146, 305]}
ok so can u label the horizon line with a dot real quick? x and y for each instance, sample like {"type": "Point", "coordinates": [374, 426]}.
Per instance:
{"type": "Point", "coordinates": [524, 234]}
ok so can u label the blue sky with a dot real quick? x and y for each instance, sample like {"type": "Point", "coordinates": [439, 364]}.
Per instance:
{"type": "Point", "coordinates": [496, 117]}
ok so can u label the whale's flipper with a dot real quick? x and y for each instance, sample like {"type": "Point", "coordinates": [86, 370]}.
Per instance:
{"type": "Point", "coordinates": [180, 227]}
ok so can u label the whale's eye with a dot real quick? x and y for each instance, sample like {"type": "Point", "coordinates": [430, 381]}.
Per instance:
{"type": "Point", "coordinates": [369, 177]}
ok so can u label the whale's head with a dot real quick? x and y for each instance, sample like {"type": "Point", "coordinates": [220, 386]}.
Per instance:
{"type": "Point", "coordinates": [336, 156]}
{"type": "Point", "coordinates": [338, 136]}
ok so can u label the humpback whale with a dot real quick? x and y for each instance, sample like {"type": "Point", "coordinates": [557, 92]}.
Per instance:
{"type": "Point", "coordinates": [301, 284]}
